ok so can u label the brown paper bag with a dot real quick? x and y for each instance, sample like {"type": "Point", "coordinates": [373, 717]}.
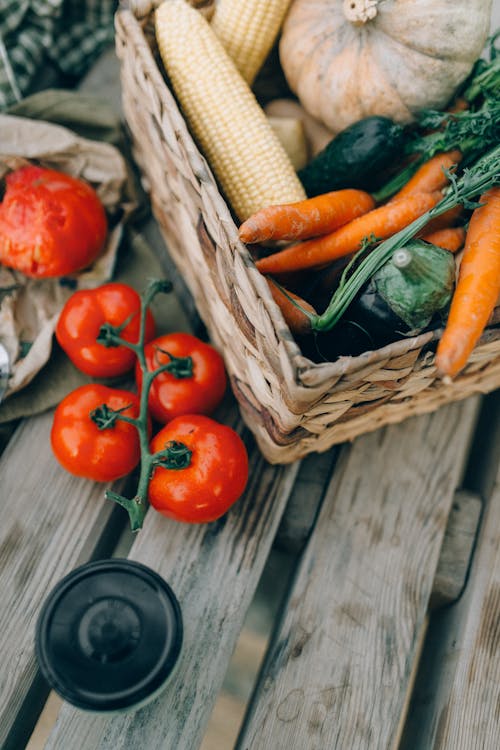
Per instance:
{"type": "Point", "coordinates": [29, 308]}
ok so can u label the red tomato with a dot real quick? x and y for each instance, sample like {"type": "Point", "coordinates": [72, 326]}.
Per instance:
{"type": "Point", "coordinates": [214, 479]}
{"type": "Point", "coordinates": [51, 224]}
{"type": "Point", "coordinates": [84, 449]}
{"type": "Point", "coordinates": [171, 396]}
{"type": "Point", "coordinates": [83, 315]}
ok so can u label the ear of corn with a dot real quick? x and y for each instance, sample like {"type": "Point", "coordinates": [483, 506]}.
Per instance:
{"type": "Point", "coordinates": [225, 118]}
{"type": "Point", "coordinates": [248, 30]}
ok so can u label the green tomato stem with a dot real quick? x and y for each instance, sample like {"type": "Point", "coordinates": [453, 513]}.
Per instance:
{"type": "Point", "coordinates": [179, 367]}
{"type": "Point", "coordinates": [105, 417]}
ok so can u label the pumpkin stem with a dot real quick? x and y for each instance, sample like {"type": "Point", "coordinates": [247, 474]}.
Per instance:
{"type": "Point", "coordinates": [359, 12]}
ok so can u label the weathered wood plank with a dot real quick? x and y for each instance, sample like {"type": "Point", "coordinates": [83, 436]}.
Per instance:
{"type": "Point", "coordinates": [51, 521]}
{"type": "Point", "coordinates": [457, 549]}
{"type": "Point", "coordinates": [214, 569]}
{"type": "Point", "coordinates": [338, 672]}
{"type": "Point", "coordinates": [462, 706]}
{"type": "Point", "coordinates": [457, 696]}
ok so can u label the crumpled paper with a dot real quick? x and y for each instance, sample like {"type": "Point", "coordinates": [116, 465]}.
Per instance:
{"type": "Point", "coordinates": [29, 308]}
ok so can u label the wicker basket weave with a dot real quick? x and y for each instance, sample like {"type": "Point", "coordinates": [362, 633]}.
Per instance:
{"type": "Point", "coordinates": [292, 405]}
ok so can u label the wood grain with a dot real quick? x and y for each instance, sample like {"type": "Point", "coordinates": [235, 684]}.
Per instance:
{"type": "Point", "coordinates": [339, 669]}
{"type": "Point", "coordinates": [51, 522]}
{"type": "Point", "coordinates": [214, 570]}
{"type": "Point", "coordinates": [456, 551]}
{"type": "Point", "coordinates": [457, 697]}
{"type": "Point", "coordinates": [470, 715]}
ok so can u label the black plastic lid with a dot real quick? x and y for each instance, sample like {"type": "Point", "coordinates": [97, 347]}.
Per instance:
{"type": "Point", "coordinates": [109, 635]}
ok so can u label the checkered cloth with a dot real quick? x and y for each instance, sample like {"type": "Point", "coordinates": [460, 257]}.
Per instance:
{"type": "Point", "coordinates": [65, 34]}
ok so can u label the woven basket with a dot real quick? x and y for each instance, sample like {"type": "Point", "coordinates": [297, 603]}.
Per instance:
{"type": "Point", "coordinates": [292, 405]}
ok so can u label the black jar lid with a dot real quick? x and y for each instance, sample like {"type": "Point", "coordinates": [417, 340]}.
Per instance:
{"type": "Point", "coordinates": [109, 635]}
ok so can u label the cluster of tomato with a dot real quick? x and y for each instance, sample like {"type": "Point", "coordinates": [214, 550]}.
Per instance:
{"type": "Point", "coordinates": [52, 225]}
{"type": "Point", "coordinates": [181, 400]}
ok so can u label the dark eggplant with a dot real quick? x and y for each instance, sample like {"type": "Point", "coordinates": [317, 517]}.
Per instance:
{"type": "Point", "coordinates": [347, 339]}
{"type": "Point", "coordinates": [356, 158]}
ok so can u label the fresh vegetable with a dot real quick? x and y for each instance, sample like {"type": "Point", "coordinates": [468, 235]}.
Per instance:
{"type": "Point", "coordinates": [103, 433]}
{"type": "Point", "coordinates": [484, 174]}
{"type": "Point", "coordinates": [431, 176]}
{"type": "Point", "coordinates": [223, 114]}
{"type": "Point", "coordinates": [193, 380]}
{"type": "Point", "coordinates": [380, 223]}
{"type": "Point", "coordinates": [213, 476]}
{"type": "Point", "coordinates": [80, 322]}
{"type": "Point", "coordinates": [349, 339]}
{"type": "Point", "coordinates": [471, 124]}
{"type": "Point", "coordinates": [292, 308]}
{"type": "Point", "coordinates": [51, 224]}
{"type": "Point", "coordinates": [444, 221]}
{"type": "Point", "coordinates": [309, 218]}
{"type": "Point", "coordinates": [317, 135]}
{"type": "Point", "coordinates": [347, 60]}
{"type": "Point", "coordinates": [374, 317]}
{"type": "Point", "coordinates": [451, 239]}
{"type": "Point", "coordinates": [101, 448]}
{"type": "Point", "coordinates": [406, 294]}
{"type": "Point", "coordinates": [290, 132]}
{"type": "Point", "coordinates": [478, 287]}
{"type": "Point", "coordinates": [248, 31]}
{"type": "Point", "coordinates": [355, 158]}
{"type": "Point", "coordinates": [417, 282]}
{"type": "Point", "coordinates": [471, 132]}
{"type": "Point", "coordinates": [484, 81]}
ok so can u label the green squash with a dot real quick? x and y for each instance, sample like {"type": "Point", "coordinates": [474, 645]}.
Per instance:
{"type": "Point", "coordinates": [417, 282]}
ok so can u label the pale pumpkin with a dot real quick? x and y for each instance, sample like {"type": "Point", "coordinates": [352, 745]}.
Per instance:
{"type": "Point", "coordinates": [347, 59]}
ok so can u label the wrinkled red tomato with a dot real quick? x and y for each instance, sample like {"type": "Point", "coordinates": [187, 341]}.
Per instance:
{"type": "Point", "coordinates": [194, 387]}
{"type": "Point", "coordinates": [84, 449]}
{"type": "Point", "coordinates": [51, 224]}
{"type": "Point", "coordinates": [215, 477]}
{"type": "Point", "coordinates": [81, 319]}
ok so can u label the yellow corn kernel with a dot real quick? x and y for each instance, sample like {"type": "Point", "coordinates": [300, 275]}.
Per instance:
{"type": "Point", "coordinates": [248, 30]}
{"type": "Point", "coordinates": [231, 128]}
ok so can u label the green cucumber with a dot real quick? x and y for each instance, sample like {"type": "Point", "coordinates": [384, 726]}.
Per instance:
{"type": "Point", "coordinates": [355, 158]}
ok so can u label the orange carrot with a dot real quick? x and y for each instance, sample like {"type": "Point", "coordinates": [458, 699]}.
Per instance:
{"type": "Point", "coordinates": [458, 105]}
{"type": "Point", "coordinates": [296, 320]}
{"type": "Point", "coordinates": [382, 222]}
{"type": "Point", "coordinates": [446, 220]}
{"type": "Point", "coordinates": [478, 287]}
{"type": "Point", "coordinates": [450, 239]}
{"type": "Point", "coordinates": [308, 218]}
{"type": "Point", "coordinates": [430, 176]}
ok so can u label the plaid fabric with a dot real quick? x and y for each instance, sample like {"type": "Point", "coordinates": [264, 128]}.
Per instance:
{"type": "Point", "coordinates": [67, 34]}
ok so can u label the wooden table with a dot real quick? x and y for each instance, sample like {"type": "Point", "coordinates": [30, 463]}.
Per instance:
{"type": "Point", "coordinates": [388, 635]}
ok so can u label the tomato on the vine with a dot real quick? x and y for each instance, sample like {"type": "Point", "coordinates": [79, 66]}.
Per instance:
{"type": "Point", "coordinates": [214, 478]}
{"type": "Point", "coordinates": [51, 224]}
{"type": "Point", "coordinates": [81, 319]}
{"type": "Point", "coordinates": [85, 449]}
{"type": "Point", "coordinates": [195, 382]}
